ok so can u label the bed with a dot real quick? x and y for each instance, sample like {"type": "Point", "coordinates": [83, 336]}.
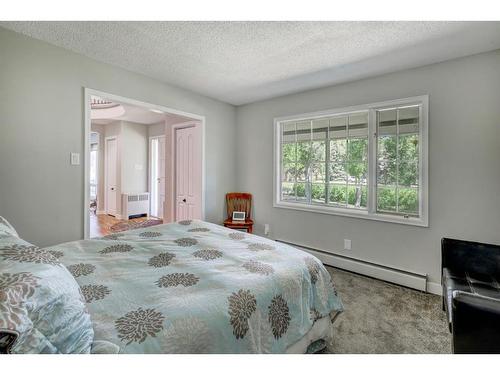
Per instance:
{"type": "Point", "coordinates": [196, 287]}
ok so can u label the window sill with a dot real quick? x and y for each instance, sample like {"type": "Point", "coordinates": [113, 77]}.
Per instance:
{"type": "Point", "coordinates": [419, 222]}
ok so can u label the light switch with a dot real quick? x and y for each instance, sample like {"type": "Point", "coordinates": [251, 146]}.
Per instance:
{"type": "Point", "coordinates": [347, 244]}
{"type": "Point", "coordinates": [75, 158]}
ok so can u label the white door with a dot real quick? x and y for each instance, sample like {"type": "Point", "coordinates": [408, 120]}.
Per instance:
{"type": "Point", "coordinates": [157, 182]}
{"type": "Point", "coordinates": [111, 160]}
{"type": "Point", "coordinates": [188, 173]}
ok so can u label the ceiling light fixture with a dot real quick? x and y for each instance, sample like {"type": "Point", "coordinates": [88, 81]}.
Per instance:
{"type": "Point", "coordinates": [98, 103]}
{"type": "Point", "coordinates": [102, 109]}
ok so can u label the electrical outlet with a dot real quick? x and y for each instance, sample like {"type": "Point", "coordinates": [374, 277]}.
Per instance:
{"type": "Point", "coordinates": [266, 229]}
{"type": "Point", "coordinates": [347, 244]}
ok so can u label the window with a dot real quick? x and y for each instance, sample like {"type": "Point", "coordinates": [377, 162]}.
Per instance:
{"type": "Point", "coordinates": [366, 161]}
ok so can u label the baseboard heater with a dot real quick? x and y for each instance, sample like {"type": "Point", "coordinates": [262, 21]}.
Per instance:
{"type": "Point", "coordinates": [135, 205]}
{"type": "Point", "coordinates": [378, 271]}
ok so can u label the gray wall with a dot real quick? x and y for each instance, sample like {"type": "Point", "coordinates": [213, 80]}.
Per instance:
{"type": "Point", "coordinates": [464, 171]}
{"type": "Point", "coordinates": [41, 122]}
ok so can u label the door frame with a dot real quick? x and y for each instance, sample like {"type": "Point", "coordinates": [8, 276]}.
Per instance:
{"type": "Point", "coordinates": [106, 139]}
{"type": "Point", "coordinates": [173, 170]}
{"type": "Point", "coordinates": [87, 93]}
{"type": "Point", "coordinates": [150, 150]}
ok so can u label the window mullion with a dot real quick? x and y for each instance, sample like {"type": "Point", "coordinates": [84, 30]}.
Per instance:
{"type": "Point", "coordinates": [296, 165]}
{"type": "Point", "coordinates": [372, 162]}
{"type": "Point", "coordinates": [309, 169]}
{"type": "Point", "coordinates": [397, 160]}
{"type": "Point", "coordinates": [327, 164]}
{"type": "Point", "coordinates": [346, 164]}
{"type": "Point", "coordinates": [421, 156]}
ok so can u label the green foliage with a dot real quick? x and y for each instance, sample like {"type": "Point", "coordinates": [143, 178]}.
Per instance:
{"type": "Point", "coordinates": [303, 153]}
{"type": "Point", "coordinates": [408, 156]}
{"type": "Point", "coordinates": [287, 189]}
{"type": "Point", "coordinates": [340, 194]}
{"type": "Point", "coordinates": [386, 199]}
{"type": "Point", "coordinates": [357, 148]}
{"type": "Point", "coordinates": [304, 162]}
{"type": "Point", "coordinates": [318, 192]}
{"type": "Point", "coordinates": [301, 190]}
{"type": "Point", "coordinates": [352, 195]}
{"type": "Point", "coordinates": [288, 152]}
{"type": "Point", "coordinates": [405, 175]}
{"type": "Point", "coordinates": [408, 200]}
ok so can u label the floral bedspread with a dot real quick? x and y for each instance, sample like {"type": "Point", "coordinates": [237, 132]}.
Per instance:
{"type": "Point", "coordinates": [196, 287]}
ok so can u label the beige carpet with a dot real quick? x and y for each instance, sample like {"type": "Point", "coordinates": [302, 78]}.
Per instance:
{"type": "Point", "coordinates": [380, 317]}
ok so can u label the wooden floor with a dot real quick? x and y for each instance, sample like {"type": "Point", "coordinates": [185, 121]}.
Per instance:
{"type": "Point", "coordinates": [100, 224]}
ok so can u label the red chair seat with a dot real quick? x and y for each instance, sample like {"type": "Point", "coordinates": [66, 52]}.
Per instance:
{"type": "Point", "coordinates": [241, 202]}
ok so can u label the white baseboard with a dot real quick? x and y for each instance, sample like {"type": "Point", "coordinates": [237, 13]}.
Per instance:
{"type": "Point", "coordinates": [401, 277]}
{"type": "Point", "coordinates": [434, 288]}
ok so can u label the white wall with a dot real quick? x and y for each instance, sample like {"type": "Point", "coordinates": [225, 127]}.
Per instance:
{"type": "Point", "coordinates": [114, 129]}
{"type": "Point", "coordinates": [156, 130]}
{"type": "Point", "coordinates": [134, 160]}
{"type": "Point", "coordinates": [41, 122]}
{"type": "Point", "coordinates": [131, 162]}
{"type": "Point", "coordinates": [464, 171]}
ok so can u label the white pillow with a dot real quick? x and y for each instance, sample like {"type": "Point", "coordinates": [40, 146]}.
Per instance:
{"type": "Point", "coordinates": [42, 309]}
{"type": "Point", "coordinates": [6, 228]}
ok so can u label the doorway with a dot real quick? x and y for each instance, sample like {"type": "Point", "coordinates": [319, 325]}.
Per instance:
{"type": "Point", "coordinates": [160, 167]}
{"type": "Point", "coordinates": [94, 170]}
{"type": "Point", "coordinates": [157, 175]}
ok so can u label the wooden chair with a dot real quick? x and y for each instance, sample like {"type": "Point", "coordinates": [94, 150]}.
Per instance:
{"type": "Point", "coordinates": [239, 202]}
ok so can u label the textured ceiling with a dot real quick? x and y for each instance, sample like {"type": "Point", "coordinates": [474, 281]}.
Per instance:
{"type": "Point", "coordinates": [242, 62]}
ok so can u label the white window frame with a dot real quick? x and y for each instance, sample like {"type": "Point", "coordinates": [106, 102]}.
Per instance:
{"type": "Point", "coordinates": [370, 213]}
